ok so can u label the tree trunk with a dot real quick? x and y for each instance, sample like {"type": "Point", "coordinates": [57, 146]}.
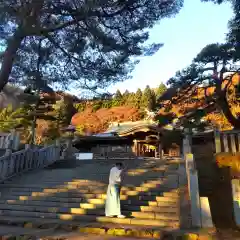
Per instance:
{"type": "Point", "coordinates": [9, 56]}
{"type": "Point", "coordinates": [223, 104]}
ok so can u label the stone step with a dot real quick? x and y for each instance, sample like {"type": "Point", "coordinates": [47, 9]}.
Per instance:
{"type": "Point", "coordinates": [124, 190]}
{"type": "Point", "coordinates": [52, 208]}
{"type": "Point", "coordinates": [80, 211]}
{"type": "Point", "coordinates": [75, 184]}
{"type": "Point", "coordinates": [69, 225]}
{"type": "Point", "coordinates": [144, 173]}
{"type": "Point", "coordinates": [125, 206]}
{"type": "Point", "coordinates": [16, 232]}
{"type": "Point", "coordinates": [88, 218]}
{"type": "Point", "coordinates": [74, 193]}
{"type": "Point", "coordinates": [152, 192]}
{"type": "Point", "coordinates": [143, 201]}
{"type": "Point", "coordinates": [67, 230]}
{"type": "Point", "coordinates": [162, 209]}
{"type": "Point", "coordinates": [144, 188]}
{"type": "Point", "coordinates": [142, 222]}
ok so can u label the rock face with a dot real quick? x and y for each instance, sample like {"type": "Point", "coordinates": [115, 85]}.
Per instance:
{"type": "Point", "coordinates": [95, 122]}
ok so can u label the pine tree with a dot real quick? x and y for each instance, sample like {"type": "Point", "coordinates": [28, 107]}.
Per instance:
{"type": "Point", "coordinates": [153, 99]}
{"type": "Point", "coordinates": [138, 98]}
{"type": "Point", "coordinates": [54, 40]}
{"type": "Point", "coordinates": [117, 100]}
{"type": "Point", "coordinates": [118, 95]}
{"type": "Point", "coordinates": [160, 90]}
{"type": "Point", "coordinates": [64, 110]}
{"type": "Point", "coordinates": [148, 98]}
{"type": "Point", "coordinates": [132, 99]}
{"type": "Point", "coordinates": [126, 97]}
{"type": "Point", "coordinates": [11, 119]}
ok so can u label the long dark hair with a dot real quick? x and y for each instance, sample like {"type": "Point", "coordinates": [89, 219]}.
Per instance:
{"type": "Point", "coordinates": [119, 165]}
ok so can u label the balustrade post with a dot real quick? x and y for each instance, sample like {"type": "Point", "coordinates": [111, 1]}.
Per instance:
{"type": "Point", "coordinates": [57, 150]}
{"type": "Point", "coordinates": [160, 150]}
{"type": "Point", "coordinates": [200, 209]}
{"type": "Point", "coordinates": [8, 152]}
{"type": "Point", "coordinates": [217, 140]}
{"type": "Point", "coordinates": [57, 143]}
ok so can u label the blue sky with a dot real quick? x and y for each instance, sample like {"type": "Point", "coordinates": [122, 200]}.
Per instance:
{"type": "Point", "coordinates": [197, 25]}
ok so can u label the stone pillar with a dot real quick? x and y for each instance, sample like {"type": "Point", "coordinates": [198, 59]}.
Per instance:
{"type": "Point", "coordinates": [200, 209]}
{"type": "Point", "coordinates": [160, 150]}
{"type": "Point", "coordinates": [217, 141]}
{"type": "Point", "coordinates": [14, 138]}
{"type": "Point", "coordinates": [27, 146]}
{"type": "Point", "coordinates": [69, 143]}
{"type": "Point", "coordinates": [137, 149]}
{"type": "Point", "coordinates": [193, 191]}
{"type": "Point", "coordinates": [236, 199]}
{"type": "Point", "coordinates": [8, 152]}
{"type": "Point", "coordinates": [57, 143]}
{"type": "Point", "coordinates": [67, 151]}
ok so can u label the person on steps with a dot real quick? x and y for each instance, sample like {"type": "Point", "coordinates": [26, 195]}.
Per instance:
{"type": "Point", "coordinates": [112, 207]}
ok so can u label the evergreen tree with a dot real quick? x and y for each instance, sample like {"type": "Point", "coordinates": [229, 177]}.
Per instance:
{"type": "Point", "coordinates": [160, 90]}
{"type": "Point", "coordinates": [118, 95]}
{"type": "Point", "coordinates": [126, 96]}
{"type": "Point", "coordinates": [11, 119]}
{"type": "Point", "coordinates": [138, 98]}
{"type": "Point", "coordinates": [68, 33]}
{"type": "Point", "coordinates": [148, 98]}
{"type": "Point", "coordinates": [117, 100]}
{"type": "Point", "coordinates": [64, 110]}
{"type": "Point", "coordinates": [132, 99]}
{"type": "Point", "coordinates": [153, 99]}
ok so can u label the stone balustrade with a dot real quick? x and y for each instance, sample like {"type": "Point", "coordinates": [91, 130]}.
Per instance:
{"type": "Point", "coordinates": [200, 208]}
{"type": "Point", "coordinates": [12, 164]}
{"type": "Point", "coordinates": [229, 142]}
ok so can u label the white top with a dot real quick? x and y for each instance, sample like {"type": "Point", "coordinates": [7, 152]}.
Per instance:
{"type": "Point", "coordinates": [115, 176]}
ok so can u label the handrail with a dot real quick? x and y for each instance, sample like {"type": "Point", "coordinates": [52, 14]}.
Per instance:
{"type": "Point", "coordinates": [27, 159]}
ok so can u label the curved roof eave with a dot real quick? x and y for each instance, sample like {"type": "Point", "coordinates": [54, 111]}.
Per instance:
{"type": "Point", "coordinates": [143, 128]}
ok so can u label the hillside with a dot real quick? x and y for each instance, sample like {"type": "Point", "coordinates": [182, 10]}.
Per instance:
{"type": "Point", "coordinates": [95, 116]}
{"type": "Point", "coordinates": [95, 122]}
{"type": "Point", "coordinates": [199, 98]}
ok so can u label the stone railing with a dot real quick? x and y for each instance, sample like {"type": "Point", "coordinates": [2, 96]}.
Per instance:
{"type": "Point", "coordinates": [229, 142]}
{"type": "Point", "coordinates": [15, 163]}
{"type": "Point", "coordinates": [10, 140]}
{"type": "Point", "coordinates": [200, 209]}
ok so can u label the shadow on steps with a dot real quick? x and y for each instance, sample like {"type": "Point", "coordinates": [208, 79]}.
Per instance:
{"type": "Point", "coordinates": [65, 163]}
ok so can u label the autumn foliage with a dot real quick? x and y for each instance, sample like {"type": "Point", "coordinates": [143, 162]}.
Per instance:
{"type": "Point", "coordinates": [229, 160]}
{"type": "Point", "coordinates": [95, 122]}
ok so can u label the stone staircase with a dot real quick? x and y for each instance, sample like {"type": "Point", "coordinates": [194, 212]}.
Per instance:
{"type": "Point", "coordinates": [58, 197]}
